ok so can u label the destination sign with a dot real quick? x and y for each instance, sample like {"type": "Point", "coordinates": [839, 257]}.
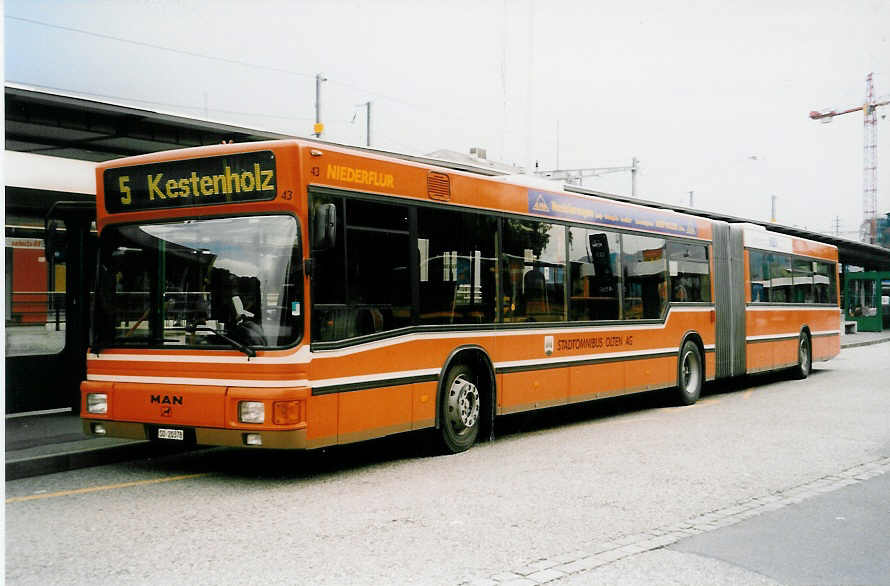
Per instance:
{"type": "Point", "coordinates": [612, 214]}
{"type": "Point", "coordinates": [193, 182]}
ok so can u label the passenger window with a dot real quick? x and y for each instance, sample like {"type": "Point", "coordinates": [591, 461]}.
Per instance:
{"type": "Point", "coordinates": [645, 276]}
{"type": "Point", "coordinates": [759, 271]}
{"type": "Point", "coordinates": [533, 271]}
{"type": "Point", "coordinates": [329, 266]}
{"type": "Point", "coordinates": [780, 278]}
{"type": "Point", "coordinates": [595, 269]}
{"type": "Point", "coordinates": [379, 290]}
{"type": "Point", "coordinates": [457, 267]}
{"type": "Point", "coordinates": [361, 285]}
{"type": "Point", "coordinates": [690, 272]}
{"type": "Point", "coordinates": [824, 283]}
{"type": "Point", "coordinates": [802, 280]}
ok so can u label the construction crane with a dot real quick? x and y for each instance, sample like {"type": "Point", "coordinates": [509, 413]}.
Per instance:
{"type": "Point", "coordinates": [869, 230]}
{"type": "Point", "coordinates": [576, 176]}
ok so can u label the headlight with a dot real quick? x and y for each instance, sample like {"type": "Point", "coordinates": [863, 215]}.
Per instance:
{"type": "Point", "coordinates": [97, 403]}
{"type": "Point", "coordinates": [251, 412]}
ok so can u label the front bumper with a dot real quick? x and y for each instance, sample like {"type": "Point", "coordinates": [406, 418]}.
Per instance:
{"type": "Point", "coordinates": [294, 439]}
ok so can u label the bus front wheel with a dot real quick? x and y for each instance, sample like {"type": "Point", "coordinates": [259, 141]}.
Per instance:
{"type": "Point", "coordinates": [459, 409]}
{"type": "Point", "coordinates": [690, 374]}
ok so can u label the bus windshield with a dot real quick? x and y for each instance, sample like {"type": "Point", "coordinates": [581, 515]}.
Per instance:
{"type": "Point", "coordinates": [222, 282]}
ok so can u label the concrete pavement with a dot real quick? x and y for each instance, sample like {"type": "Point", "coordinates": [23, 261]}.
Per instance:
{"type": "Point", "coordinates": [796, 536]}
{"type": "Point", "coordinates": [48, 443]}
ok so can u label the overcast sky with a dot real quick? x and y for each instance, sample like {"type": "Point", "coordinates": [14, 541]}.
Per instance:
{"type": "Point", "coordinates": [712, 97]}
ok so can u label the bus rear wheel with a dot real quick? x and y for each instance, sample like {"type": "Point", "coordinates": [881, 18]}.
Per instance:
{"type": "Point", "coordinates": [804, 357]}
{"type": "Point", "coordinates": [459, 409]}
{"type": "Point", "coordinates": [690, 374]}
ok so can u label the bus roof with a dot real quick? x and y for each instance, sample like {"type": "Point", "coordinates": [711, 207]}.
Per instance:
{"type": "Point", "coordinates": [526, 194]}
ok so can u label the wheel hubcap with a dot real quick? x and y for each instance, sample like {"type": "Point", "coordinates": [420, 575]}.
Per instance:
{"type": "Point", "coordinates": [463, 404]}
{"type": "Point", "coordinates": [804, 355]}
{"type": "Point", "coordinates": [690, 371]}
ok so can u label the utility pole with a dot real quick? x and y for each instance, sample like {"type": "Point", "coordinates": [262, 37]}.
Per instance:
{"type": "Point", "coordinates": [367, 105]}
{"type": "Point", "coordinates": [634, 167]}
{"type": "Point", "coordinates": [773, 215]}
{"type": "Point", "coordinates": [837, 226]}
{"type": "Point", "coordinates": [690, 199]}
{"type": "Point", "coordinates": [869, 155]}
{"type": "Point", "coordinates": [319, 127]}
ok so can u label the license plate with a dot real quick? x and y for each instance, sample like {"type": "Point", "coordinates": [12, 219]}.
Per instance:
{"type": "Point", "coordinates": [171, 434]}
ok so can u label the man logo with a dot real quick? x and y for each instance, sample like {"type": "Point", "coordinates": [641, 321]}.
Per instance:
{"type": "Point", "coordinates": [167, 399]}
{"type": "Point", "coordinates": [167, 411]}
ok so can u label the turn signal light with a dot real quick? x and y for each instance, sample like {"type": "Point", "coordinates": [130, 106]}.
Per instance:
{"type": "Point", "coordinates": [287, 412]}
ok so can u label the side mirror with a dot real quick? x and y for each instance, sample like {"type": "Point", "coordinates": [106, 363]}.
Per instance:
{"type": "Point", "coordinates": [325, 229]}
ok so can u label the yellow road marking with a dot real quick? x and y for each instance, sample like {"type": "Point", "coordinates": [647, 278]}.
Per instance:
{"type": "Point", "coordinates": [18, 499]}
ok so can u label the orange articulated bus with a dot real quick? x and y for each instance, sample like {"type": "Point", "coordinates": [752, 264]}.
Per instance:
{"type": "Point", "coordinates": [293, 294]}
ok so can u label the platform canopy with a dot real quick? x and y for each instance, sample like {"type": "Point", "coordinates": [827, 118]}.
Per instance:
{"type": "Point", "coordinates": [70, 126]}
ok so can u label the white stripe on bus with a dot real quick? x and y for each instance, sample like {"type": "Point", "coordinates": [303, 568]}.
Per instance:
{"type": "Point", "coordinates": [216, 382]}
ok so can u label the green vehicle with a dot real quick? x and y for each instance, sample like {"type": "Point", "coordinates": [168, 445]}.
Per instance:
{"type": "Point", "coordinates": [867, 300]}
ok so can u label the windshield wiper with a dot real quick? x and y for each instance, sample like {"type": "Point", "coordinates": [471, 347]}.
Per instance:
{"type": "Point", "coordinates": [192, 328]}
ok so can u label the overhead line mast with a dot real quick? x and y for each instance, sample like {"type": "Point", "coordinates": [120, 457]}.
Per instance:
{"type": "Point", "coordinates": [868, 231]}
{"type": "Point", "coordinates": [576, 176]}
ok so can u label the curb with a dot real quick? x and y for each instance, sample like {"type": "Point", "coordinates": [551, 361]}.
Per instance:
{"type": "Point", "coordinates": [866, 343]}
{"type": "Point", "coordinates": [75, 459]}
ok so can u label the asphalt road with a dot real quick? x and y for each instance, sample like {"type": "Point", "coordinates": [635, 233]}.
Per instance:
{"type": "Point", "coordinates": [725, 491]}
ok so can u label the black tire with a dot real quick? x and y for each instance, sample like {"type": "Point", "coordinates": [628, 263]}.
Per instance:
{"type": "Point", "coordinates": [690, 374]}
{"type": "Point", "coordinates": [460, 409]}
{"type": "Point", "coordinates": [804, 357]}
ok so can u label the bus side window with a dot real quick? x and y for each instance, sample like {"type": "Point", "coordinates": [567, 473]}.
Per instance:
{"type": "Point", "coordinates": [760, 281]}
{"type": "Point", "coordinates": [595, 272]}
{"type": "Point", "coordinates": [361, 285]}
{"type": "Point", "coordinates": [780, 278]}
{"type": "Point", "coordinates": [457, 263]}
{"type": "Point", "coordinates": [802, 277]}
{"type": "Point", "coordinates": [689, 272]}
{"type": "Point", "coordinates": [645, 276]}
{"type": "Point", "coordinates": [823, 283]}
{"type": "Point", "coordinates": [329, 280]}
{"type": "Point", "coordinates": [533, 271]}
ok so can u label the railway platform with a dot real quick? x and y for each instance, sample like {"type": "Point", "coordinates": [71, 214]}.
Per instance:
{"type": "Point", "coordinates": [53, 442]}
